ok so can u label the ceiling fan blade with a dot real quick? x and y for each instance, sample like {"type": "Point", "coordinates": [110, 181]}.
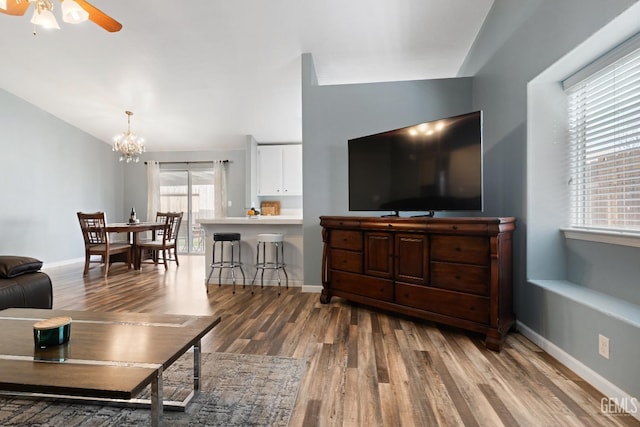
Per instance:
{"type": "Point", "coordinates": [99, 17]}
{"type": "Point", "coordinates": [15, 8]}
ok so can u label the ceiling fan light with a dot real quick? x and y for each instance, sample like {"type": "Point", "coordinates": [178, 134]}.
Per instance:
{"type": "Point", "coordinates": [72, 13]}
{"type": "Point", "coordinates": [45, 19]}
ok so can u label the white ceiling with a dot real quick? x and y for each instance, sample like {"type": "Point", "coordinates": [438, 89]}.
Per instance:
{"type": "Point", "coordinates": [203, 74]}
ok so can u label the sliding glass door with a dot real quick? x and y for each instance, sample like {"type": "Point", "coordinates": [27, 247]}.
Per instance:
{"type": "Point", "coordinates": [188, 188]}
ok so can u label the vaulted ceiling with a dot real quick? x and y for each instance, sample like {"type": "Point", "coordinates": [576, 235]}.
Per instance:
{"type": "Point", "coordinates": [203, 74]}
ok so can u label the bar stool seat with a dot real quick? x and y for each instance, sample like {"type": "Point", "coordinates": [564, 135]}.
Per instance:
{"type": "Point", "coordinates": [277, 242]}
{"type": "Point", "coordinates": [233, 239]}
{"type": "Point", "coordinates": [226, 237]}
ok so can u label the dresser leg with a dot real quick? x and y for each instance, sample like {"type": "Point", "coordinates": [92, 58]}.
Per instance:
{"type": "Point", "coordinates": [325, 296]}
{"type": "Point", "coordinates": [494, 340]}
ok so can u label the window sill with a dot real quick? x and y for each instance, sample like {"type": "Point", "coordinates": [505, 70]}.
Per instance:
{"type": "Point", "coordinates": [621, 238]}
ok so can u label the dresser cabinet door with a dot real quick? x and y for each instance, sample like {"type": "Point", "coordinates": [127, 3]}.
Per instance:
{"type": "Point", "coordinates": [378, 254]}
{"type": "Point", "coordinates": [412, 258]}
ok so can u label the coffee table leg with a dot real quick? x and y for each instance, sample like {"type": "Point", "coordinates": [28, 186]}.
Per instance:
{"type": "Point", "coordinates": [156, 398]}
{"type": "Point", "coordinates": [196, 366]}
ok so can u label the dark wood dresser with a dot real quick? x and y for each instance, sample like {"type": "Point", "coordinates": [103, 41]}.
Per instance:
{"type": "Point", "coordinates": [456, 271]}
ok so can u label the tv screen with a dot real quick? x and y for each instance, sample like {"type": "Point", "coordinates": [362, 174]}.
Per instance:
{"type": "Point", "coordinates": [432, 166]}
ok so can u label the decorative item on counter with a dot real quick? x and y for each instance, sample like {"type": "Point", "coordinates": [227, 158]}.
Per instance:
{"type": "Point", "coordinates": [270, 207]}
{"type": "Point", "coordinates": [253, 212]}
{"type": "Point", "coordinates": [132, 217]}
{"type": "Point", "coordinates": [51, 332]}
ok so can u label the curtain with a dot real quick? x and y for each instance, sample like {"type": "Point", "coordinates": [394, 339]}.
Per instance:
{"type": "Point", "coordinates": [153, 189]}
{"type": "Point", "coordinates": [220, 188]}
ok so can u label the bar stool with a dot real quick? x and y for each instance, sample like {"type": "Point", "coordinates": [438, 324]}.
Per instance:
{"type": "Point", "coordinates": [234, 240]}
{"type": "Point", "coordinates": [277, 243]}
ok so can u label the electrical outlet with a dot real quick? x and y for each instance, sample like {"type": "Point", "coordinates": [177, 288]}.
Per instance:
{"type": "Point", "coordinates": [603, 346]}
{"type": "Point", "coordinates": [229, 203]}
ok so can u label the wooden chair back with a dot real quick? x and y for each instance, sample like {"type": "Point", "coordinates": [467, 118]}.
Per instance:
{"type": "Point", "coordinates": [172, 221]}
{"type": "Point", "coordinates": [163, 218]}
{"type": "Point", "coordinates": [96, 241]}
{"type": "Point", "coordinates": [92, 225]}
{"type": "Point", "coordinates": [165, 240]}
{"type": "Point", "coordinates": [173, 225]}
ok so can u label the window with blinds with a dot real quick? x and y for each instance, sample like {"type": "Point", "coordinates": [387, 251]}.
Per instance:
{"type": "Point", "coordinates": [604, 140]}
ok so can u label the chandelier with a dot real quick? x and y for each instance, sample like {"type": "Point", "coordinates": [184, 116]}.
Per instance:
{"type": "Point", "coordinates": [128, 144]}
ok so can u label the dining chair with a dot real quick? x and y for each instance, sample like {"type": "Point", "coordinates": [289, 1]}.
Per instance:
{"type": "Point", "coordinates": [166, 239]}
{"type": "Point", "coordinates": [97, 242]}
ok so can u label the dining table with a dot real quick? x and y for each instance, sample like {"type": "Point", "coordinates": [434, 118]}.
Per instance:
{"type": "Point", "coordinates": [133, 231]}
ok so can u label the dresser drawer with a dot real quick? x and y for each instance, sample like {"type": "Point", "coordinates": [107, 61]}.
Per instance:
{"type": "Point", "coordinates": [444, 302]}
{"type": "Point", "coordinates": [346, 239]}
{"type": "Point", "coordinates": [459, 227]}
{"type": "Point", "coordinates": [380, 289]}
{"type": "Point", "coordinates": [463, 249]}
{"type": "Point", "coordinates": [345, 260]}
{"type": "Point", "coordinates": [460, 277]}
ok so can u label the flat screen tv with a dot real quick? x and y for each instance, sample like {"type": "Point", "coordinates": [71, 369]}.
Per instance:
{"type": "Point", "coordinates": [427, 167]}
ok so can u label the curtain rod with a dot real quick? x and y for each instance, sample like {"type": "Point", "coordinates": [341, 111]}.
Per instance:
{"type": "Point", "coordinates": [198, 161]}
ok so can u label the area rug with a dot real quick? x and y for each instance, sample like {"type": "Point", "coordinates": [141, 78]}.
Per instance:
{"type": "Point", "coordinates": [236, 390]}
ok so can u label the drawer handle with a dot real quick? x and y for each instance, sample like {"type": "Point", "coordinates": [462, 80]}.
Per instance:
{"type": "Point", "coordinates": [454, 227]}
{"type": "Point", "coordinates": [457, 277]}
{"type": "Point", "coordinates": [458, 249]}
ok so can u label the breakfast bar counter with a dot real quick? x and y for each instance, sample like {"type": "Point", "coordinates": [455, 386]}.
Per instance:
{"type": "Point", "coordinates": [249, 227]}
{"type": "Point", "coordinates": [254, 220]}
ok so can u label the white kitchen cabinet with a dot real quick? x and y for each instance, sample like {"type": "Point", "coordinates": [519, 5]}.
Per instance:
{"type": "Point", "coordinates": [279, 170]}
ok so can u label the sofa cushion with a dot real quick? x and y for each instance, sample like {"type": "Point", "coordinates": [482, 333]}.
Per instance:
{"type": "Point", "coordinates": [12, 265]}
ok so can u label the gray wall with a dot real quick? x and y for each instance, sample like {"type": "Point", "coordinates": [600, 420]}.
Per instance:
{"type": "Point", "coordinates": [333, 114]}
{"type": "Point", "coordinates": [50, 170]}
{"type": "Point", "coordinates": [521, 39]}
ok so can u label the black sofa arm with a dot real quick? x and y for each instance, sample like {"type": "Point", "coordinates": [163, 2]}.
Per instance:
{"type": "Point", "coordinates": [22, 284]}
{"type": "Point", "coordinates": [31, 290]}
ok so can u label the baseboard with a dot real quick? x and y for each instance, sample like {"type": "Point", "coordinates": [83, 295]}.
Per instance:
{"type": "Point", "coordinates": [610, 390]}
{"type": "Point", "coordinates": [312, 288]}
{"type": "Point", "coordinates": [227, 281]}
{"type": "Point", "coordinates": [62, 263]}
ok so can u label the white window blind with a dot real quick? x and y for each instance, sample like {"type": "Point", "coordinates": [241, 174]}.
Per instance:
{"type": "Point", "coordinates": [604, 140]}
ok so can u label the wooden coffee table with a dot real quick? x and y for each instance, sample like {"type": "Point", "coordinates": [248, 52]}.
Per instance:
{"type": "Point", "coordinates": [110, 357]}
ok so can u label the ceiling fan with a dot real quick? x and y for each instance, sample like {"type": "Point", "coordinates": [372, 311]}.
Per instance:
{"type": "Point", "coordinates": [74, 11]}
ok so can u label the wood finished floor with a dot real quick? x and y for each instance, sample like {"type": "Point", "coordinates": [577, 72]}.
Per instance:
{"type": "Point", "coordinates": [364, 367]}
